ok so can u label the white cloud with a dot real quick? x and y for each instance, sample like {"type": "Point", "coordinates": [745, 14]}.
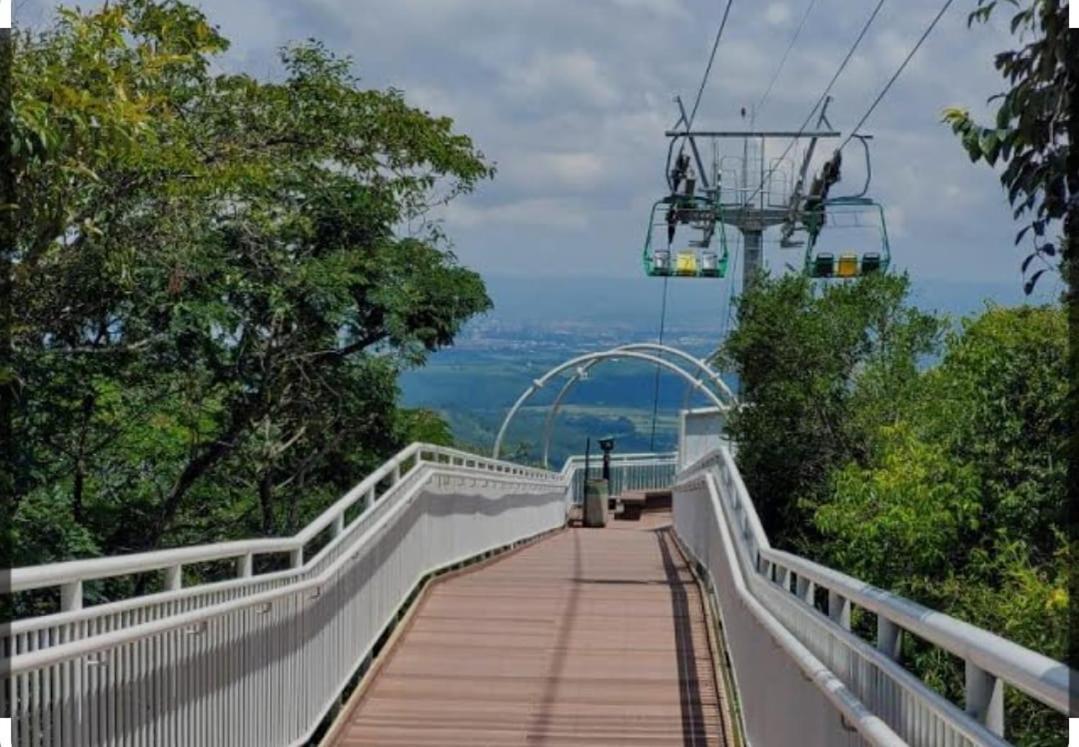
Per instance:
{"type": "Point", "coordinates": [777, 14]}
{"type": "Point", "coordinates": [658, 8]}
{"type": "Point", "coordinates": [571, 99]}
{"type": "Point", "coordinates": [579, 170]}
{"type": "Point", "coordinates": [548, 74]}
{"type": "Point", "coordinates": [559, 214]}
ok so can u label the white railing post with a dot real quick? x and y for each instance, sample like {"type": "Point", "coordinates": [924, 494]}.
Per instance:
{"type": "Point", "coordinates": [805, 590]}
{"type": "Point", "coordinates": [985, 698]}
{"type": "Point", "coordinates": [783, 578]}
{"type": "Point", "coordinates": [245, 565]}
{"type": "Point", "coordinates": [71, 596]}
{"type": "Point", "coordinates": [338, 524]}
{"type": "Point", "coordinates": [839, 609]}
{"type": "Point", "coordinates": [174, 578]}
{"type": "Point", "coordinates": [889, 639]}
{"type": "Point", "coordinates": [295, 558]}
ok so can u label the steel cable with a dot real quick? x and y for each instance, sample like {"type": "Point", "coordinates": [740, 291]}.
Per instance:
{"type": "Point", "coordinates": [783, 59]}
{"type": "Point", "coordinates": [898, 72]}
{"type": "Point", "coordinates": [821, 100]}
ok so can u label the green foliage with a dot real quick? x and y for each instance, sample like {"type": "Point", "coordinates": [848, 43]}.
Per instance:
{"type": "Point", "coordinates": [997, 402]}
{"type": "Point", "coordinates": [905, 520]}
{"type": "Point", "coordinates": [799, 352]}
{"type": "Point", "coordinates": [1029, 134]}
{"type": "Point", "coordinates": [426, 426]}
{"type": "Point", "coordinates": [212, 291]}
{"type": "Point", "coordinates": [945, 484]}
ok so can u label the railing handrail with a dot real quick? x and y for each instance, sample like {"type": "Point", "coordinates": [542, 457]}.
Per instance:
{"type": "Point", "coordinates": [873, 728]}
{"type": "Point", "coordinates": [73, 571]}
{"type": "Point", "coordinates": [1035, 674]}
{"type": "Point", "coordinates": [597, 459]}
{"type": "Point", "coordinates": [54, 654]}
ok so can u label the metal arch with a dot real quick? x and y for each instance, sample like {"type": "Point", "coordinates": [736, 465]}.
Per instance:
{"type": "Point", "coordinates": [701, 364]}
{"type": "Point", "coordinates": [703, 368]}
{"type": "Point", "coordinates": [615, 354]}
{"type": "Point", "coordinates": [689, 390]}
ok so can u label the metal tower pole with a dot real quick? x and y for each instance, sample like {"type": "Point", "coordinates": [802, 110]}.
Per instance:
{"type": "Point", "coordinates": [752, 255]}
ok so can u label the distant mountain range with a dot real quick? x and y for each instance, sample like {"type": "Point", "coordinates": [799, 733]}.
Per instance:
{"type": "Point", "coordinates": [538, 323]}
{"type": "Point", "coordinates": [634, 303]}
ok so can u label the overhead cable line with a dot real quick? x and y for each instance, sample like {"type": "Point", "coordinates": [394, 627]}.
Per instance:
{"type": "Point", "coordinates": [655, 387]}
{"type": "Point", "coordinates": [783, 59]}
{"type": "Point", "coordinates": [689, 128]}
{"type": "Point", "coordinates": [822, 99]}
{"type": "Point", "coordinates": [708, 68]}
{"type": "Point", "coordinates": [898, 72]}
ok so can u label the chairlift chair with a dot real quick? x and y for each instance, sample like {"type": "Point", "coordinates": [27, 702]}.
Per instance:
{"type": "Point", "coordinates": [838, 214]}
{"type": "Point", "coordinates": [699, 212]}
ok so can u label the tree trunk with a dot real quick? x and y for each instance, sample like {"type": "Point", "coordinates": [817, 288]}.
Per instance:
{"type": "Point", "coordinates": [266, 502]}
{"type": "Point", "coordinates": [207, 456]}
{"type": "Point", "coordinates": [79, 487]}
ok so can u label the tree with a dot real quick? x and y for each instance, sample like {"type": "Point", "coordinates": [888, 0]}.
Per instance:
{"type": "Point", "coordinates": [805, 357]}
{"type": "Point", "coordinates": [1031, 132]}
{"type": "Point", "coordinates": [213, 291]}
{"type": "Point", "coordinates": [961, 504]}
{"type": "Point", "coordinates": [1035, 135]}
{"type": "Point", "coordinates": [8, 385]}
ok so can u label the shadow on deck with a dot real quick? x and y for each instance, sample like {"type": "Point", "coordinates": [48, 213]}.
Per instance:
{"type": "Point", "coordinates": [589, 637]}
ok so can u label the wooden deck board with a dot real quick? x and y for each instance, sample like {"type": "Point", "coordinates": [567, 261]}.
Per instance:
{"type": "Point", "coordinates": [589, 637]}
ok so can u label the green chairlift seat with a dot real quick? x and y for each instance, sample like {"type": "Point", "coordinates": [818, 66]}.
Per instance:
{"type": "Point", "coordinates": [700, 260]}
{"type": "Point", "coordinates": [863, 213]}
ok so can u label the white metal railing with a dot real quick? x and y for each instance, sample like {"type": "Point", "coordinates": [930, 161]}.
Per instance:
{"type": "Point", "coordinates": [258, 659]}
{"type": "Point", "coordinates": [644, 471]}
{"type": "Point", "coordinates": [711, 503]}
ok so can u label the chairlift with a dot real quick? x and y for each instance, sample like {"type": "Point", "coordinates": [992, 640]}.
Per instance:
{"type": "Point", "coordinates": [846, 214]}
{"type": "Point", "coordinates": [700, 213]}
{"type": "Point", "coordinates": [842, 217]}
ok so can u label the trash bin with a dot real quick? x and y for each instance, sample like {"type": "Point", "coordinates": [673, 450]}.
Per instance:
{"type": "Point", "coordinates": [595, 503]}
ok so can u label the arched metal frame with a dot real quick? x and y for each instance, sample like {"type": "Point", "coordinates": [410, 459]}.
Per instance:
{"type": "Point", "coordinates": [615, 354]}
{"type": "Point", "coordinates": [689, 389]}
{"type": "Point", "coordinates": [701, 364]}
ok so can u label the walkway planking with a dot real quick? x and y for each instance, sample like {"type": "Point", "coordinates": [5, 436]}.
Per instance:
{"type": "Point", "coordinates": [589, 637]}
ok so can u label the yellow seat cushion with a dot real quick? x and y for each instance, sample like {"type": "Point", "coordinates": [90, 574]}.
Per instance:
{"type": "Point", "coordinates": [686, 264]}
{"type": "Point", "coordinates": [847, 266]}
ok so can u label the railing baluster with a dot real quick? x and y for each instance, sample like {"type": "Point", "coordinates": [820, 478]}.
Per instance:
{"type": "Point", "coordinates": [245, 565]}
{"type": "Point", "coordinates": [71, 596]}
{"type": "Point", "coordinates": [889, 637]}
{"type": "Point", "coordinates": [985, 698]}
{"type": "Point", "coordinates": [174, 578]}
{"type": "Point", "coordinates": [839, 609]}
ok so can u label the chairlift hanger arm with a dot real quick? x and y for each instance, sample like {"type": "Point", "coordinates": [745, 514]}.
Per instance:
{"type": "Point", "coordinates": [868, 169]}
{"type": "Point", "coordinates": [797, 193]}
{"type": "Point", "coordinates": [693, 145]}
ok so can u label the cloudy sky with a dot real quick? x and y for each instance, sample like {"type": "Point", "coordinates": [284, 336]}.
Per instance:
{"type": "Point", "coordinates": [571, 98]}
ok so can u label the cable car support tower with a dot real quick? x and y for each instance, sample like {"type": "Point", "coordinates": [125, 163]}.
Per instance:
{"type": "Point", "coordinates": [755, 194]}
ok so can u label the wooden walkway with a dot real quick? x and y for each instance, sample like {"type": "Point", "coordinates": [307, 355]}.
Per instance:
{"type": "Point", "coordinates": [588, 637]}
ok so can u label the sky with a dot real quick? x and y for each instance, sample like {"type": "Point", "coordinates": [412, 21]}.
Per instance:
{"type": "Point", "coordinates": [570, 99]}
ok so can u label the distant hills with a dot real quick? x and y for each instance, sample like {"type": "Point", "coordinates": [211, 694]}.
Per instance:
{"type": "Point", "coordinates": [540, 322]}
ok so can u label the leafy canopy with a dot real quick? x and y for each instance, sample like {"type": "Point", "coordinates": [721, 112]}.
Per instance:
{"type": "Point", "coordinates": [217, 279]}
